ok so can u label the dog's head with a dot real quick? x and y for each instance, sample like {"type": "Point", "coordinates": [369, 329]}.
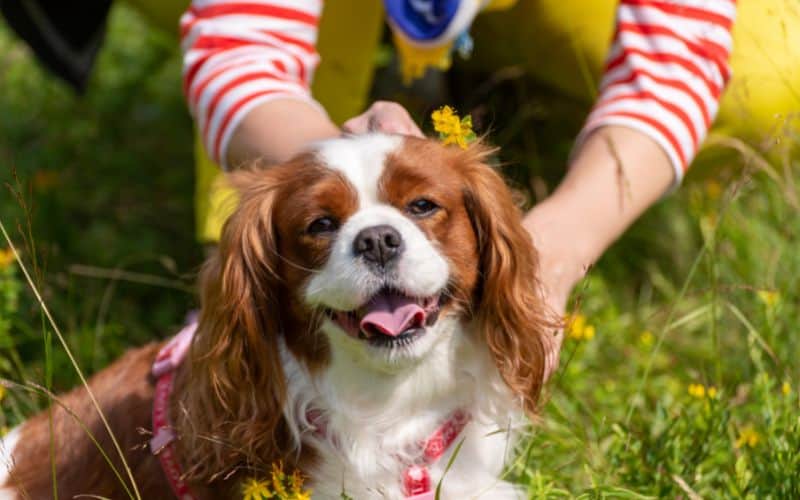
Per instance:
{"type": "Point", "coordinates": [372, 248]}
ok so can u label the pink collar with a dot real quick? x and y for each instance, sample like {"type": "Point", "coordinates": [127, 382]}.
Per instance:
{"type": "Point", "coordinates": [416, 477]}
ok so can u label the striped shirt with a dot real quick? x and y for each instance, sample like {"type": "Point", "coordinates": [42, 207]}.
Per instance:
{"type": "Point", "coordinates": [664, 74]}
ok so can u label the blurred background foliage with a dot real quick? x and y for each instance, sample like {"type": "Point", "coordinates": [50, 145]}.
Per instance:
{"type": "Point", "coordinates": [99, 184]}
{"type": "Point", "coordinates": [679, 376]}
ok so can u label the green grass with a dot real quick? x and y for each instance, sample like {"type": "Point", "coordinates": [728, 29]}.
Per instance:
{"type": "Point", "coordinates": [702, 290]}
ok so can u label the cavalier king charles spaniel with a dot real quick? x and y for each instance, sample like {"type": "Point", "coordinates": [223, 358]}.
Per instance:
{"type": "Point", "coordinates": [371, 319]}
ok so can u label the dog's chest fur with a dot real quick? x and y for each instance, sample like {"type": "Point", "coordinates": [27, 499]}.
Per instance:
{"type": "Point", "coordinates": [372, 428]}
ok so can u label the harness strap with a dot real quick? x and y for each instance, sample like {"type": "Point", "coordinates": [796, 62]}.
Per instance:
{"type": "Point", "coordinates": [416, 477]}
{"type": "Point", "coordinates": [162, 444]}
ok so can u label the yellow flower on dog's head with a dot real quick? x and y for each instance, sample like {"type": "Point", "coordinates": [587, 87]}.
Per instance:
{"type": "Point", "coordinates": [451, 128]}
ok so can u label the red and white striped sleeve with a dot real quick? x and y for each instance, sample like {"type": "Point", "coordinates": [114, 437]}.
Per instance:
{"type": "Point", "coordinates": [239, 54]}
{"type": "Point", "coordinates": [666, 69]}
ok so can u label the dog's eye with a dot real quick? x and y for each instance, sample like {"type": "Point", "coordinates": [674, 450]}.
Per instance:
{"type": "Point", "coordinates": [422, 207]}
{"type": "Point", "coordinates": [323, 225]}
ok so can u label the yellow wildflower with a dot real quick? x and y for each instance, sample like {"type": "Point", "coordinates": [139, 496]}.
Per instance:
{"type": "Point", "coordinates": [2, 392]}
{"type": "Point", "coordinates": [646, 338]}
{"type": "Point", "coordinates": [748, 436]}
{"type": "Point", "coordinates": [445, 120]}
{"type": "Point", "coordinates": [6, 258]}
{"type": "Point", "coordinates": [451, 128]}
{"type": "Point", "coordinates": [278, 481]}
{"type": "Point", "coordinates": [296, 485]}
{"type": "Point", "coordinates": [576, 323]}
{"type": "Point", "coordinates": [280, 486]}
{"type": "Point", "coordinates": [701, 391]}
{"type": "Point", "coordinates": [786, 388]}
{"type": "Point", "coordinates": [697, 391]}
{"type": "Point", "coordinates": [769, 298]}
{"type": "Point", "coordinates": [578, 329]}
{"type": "Point", "coordinates": [253, 489]}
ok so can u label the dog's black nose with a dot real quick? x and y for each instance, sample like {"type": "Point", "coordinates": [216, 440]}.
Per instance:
{"type": "Point", "coordinates": [379, 245]}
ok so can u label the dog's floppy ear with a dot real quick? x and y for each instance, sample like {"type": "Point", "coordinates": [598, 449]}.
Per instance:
{"type": "Point", "coordinates": [510, 310]}
{"type": "Point", "coordinates": [233, 398]}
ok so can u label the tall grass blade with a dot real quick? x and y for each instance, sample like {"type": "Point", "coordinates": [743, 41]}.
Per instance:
{"type": "Point", "coordinates": [72, 359]}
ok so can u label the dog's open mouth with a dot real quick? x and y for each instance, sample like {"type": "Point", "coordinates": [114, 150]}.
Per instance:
{"type": "Point", "coordinates": [390, 318]}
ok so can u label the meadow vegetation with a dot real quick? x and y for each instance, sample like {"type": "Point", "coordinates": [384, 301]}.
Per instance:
{"type": "Point", "coordinates": [680, 372]}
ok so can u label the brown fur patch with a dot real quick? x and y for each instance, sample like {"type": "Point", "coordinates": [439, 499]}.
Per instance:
{"type": "Point", "coordinates": [81, 468]}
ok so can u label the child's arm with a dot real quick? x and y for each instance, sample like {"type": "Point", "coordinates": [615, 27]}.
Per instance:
{"type": "Point", "coordinates": [660, 92]}
{"type": "Point", "coordinates": [247, 72]}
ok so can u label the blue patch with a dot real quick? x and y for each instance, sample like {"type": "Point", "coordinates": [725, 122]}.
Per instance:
{"type": "Point", "coordinates": [421, 20]}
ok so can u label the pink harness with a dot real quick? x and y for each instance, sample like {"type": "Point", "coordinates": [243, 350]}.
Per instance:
{"type": "Point", "coordinates": [162, 445]}
{"type": "Point", "coordinates": [416, 477]}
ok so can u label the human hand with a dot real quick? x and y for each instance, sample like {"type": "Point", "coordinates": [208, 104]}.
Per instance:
{"type": "Point", "coordinates": [383, 116]}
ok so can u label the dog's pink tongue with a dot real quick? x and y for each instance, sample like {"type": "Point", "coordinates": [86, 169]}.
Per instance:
{"type": "Point", "coordinates": [392, 314]}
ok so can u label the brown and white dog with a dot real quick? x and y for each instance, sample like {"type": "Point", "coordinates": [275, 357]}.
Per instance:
{"type": "Point", "coordinates": [362, 294]}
